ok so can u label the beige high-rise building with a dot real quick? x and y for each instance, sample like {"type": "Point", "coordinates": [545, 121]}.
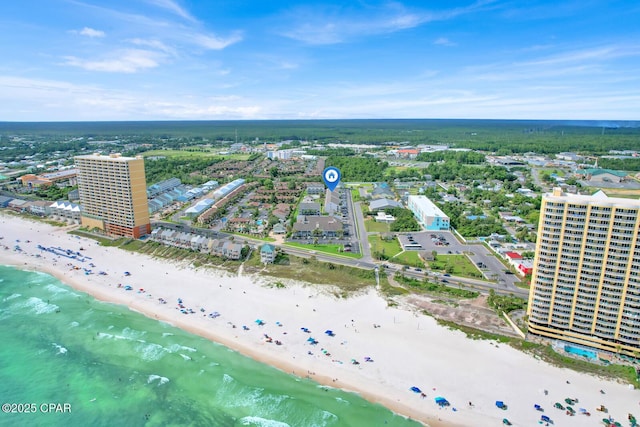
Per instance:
{"type": "Point", "coordinates": [585, 287]}
{"type": "Point", "coordinates": [113, 194]}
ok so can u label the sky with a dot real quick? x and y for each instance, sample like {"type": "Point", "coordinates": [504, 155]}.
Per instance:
{"type": "Point", "coordinates": [85, 60]}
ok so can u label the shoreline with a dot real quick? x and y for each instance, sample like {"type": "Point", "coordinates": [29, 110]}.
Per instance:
{"type": "Point", "coordinates": [245, 350]}
{"type": "Point", "coordinates": [409, 349]}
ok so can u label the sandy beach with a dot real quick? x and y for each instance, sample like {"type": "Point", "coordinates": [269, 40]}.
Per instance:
{"type": "Point", "coordinates": [403, 348]}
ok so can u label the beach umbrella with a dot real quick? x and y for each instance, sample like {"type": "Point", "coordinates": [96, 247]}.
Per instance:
{"type": "Point", "coordinates": [413, 389]}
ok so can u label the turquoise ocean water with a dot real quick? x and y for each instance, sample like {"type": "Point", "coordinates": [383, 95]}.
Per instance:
{"type": "Point", "coordinates": [112, 366]}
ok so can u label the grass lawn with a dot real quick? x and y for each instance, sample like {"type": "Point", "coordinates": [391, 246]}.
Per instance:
{"type": "Point", "coordinates": [623, 193]}
{"type": "Point", "coordinates": [408, 258]}
{"type": "Point", "coordinates": [390, 248]}
{"type": "Point", "coordinates": [457, 265]}
{"type": "Point", "coordinates": [328, 249]}
{"type": "Point", "coordinates": [252, 236]}
{"type": "Point", "coordinates": [372, 225]}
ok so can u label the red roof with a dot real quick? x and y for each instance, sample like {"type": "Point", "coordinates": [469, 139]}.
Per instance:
{"type": "Point", "coordinates": [513, 255]}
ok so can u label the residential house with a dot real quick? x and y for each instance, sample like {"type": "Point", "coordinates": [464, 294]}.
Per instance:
{"type": "Point", "coordinates": [331, 201]}
{"type": "Point", "coordinates": [199, 243]}
{"type": "Point", "coordinates": [17, 205]}
{"type": "Point", "coordinates": [317, 226]}
{"type": "Point", "coordinates": [525, 267]}
{"type": "Point", "coordinates": [383, 217]}
{"type": "Point", "coordinates": [513, 258]}
{"type": "Point", "coordinates": [315, 188]}
{"type": "Point", "coordinates": [4, 201]}
{"type": "Point", "coordinates": [382, 204]}
{"type": "Point", "coordinates": [382, 191]}
{"type": "Point", "coordinates": [40, 207]}
{"type": "Point", "coordinates": [267, 254]}
{"type": "Point", "coordinates": [309, 208]}
{"type": "Point", "coordinates": [66, 211]}
{"type": "Point", "coordinates": [240, 225]}
{"type": "Point", "coordinates": [231, 250]}
{"type": "Point", "coordinates": [279, 229]}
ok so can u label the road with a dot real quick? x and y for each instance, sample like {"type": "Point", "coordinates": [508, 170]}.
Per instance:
{"type": "Point", "coordinates": [362, 231]}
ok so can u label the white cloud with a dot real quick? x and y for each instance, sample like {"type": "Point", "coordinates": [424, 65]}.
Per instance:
{"type": "Point", "coordinates": [443, 41]}
{"type": "Point", "coordinates": [154, 44]}
{"type": "Point", "coordinates": [122, 61]}
{"type": "Point", "coordinates": [321, 25]}
{"type": "Point", "coordinates": [213, 42]}
{"type": "Point", "coordinates": [42, 99]}
{"type": "Point", "coordinates": [90, 32]}
{"type": "Point", "coordinates": [173, 7]}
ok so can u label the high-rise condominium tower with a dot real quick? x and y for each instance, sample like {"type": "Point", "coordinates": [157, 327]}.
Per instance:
{"type": "Point", "coordinates": [585, 287]}
{"type": "Point", "coordinates": [113, 194]}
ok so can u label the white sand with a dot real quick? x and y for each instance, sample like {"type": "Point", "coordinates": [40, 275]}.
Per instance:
{"type": "Point", "coordinates": [407, 349]}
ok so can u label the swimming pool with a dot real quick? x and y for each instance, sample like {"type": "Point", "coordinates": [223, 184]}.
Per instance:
{"type": "Point", "coordinates": [581, 352]}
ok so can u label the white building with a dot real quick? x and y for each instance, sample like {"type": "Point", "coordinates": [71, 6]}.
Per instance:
{"type": "Point", "coordinates": [429, 216]}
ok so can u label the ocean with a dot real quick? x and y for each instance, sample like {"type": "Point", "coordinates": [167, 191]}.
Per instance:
{"type": "Point", "coordinates": [67, 359]}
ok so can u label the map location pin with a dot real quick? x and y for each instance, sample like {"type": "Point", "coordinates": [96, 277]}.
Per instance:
{"type": "Point", "coordinates": [331, 177]}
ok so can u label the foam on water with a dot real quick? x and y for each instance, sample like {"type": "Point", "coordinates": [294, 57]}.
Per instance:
{"type": "Point", "coordinates": [12, 296]}
{"type": "Point", "coordinates": [38, 306]}
{"type": "Point", "coordinates": [185, 357]}
{"type": "Point", "coordinates": [57, 290]}
{"type": "Point", "coordinates": [161, 380]}
{"type": "Point", "coordinates": [150, 351]}
{"type": "Point", "coordinates": [341, 400]}
{"type": "Point", "coordinates": [61, 349]}
{"type": "Point", "coordinates": [261, 422]}
{"type": "Point", "coordinates": [174, 348]}
{"type": "Point", "coordinates": [167, 334]}
{"type": "Point", "coordinates": [132, 333]}
{"type": "Point", "coordinates": [328, 417]}
{"type": "Point", "coordinates": [74, 324]}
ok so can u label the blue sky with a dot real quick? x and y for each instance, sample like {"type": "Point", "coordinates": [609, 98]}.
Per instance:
{"type": "Point", "coordinates": [245, 59]}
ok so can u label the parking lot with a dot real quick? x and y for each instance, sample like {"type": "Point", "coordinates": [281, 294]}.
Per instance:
{"type": "Point", "coordinates": [445, 243]}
